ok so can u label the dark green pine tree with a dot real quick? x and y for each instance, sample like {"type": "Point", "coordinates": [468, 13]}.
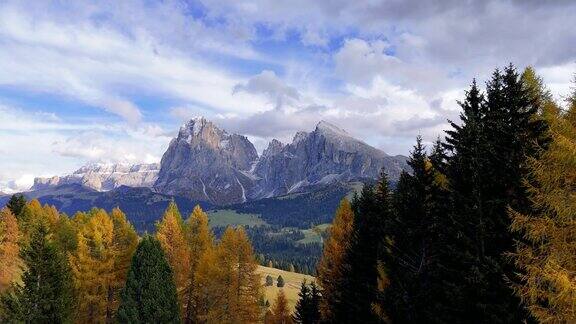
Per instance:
{"type": "Point", "coordinates": [150, 293]}
{"type": "Point", "coordinates": [412, 243]}
{"type": "Point", "coordinates": [307, 307]}
{"type": "Point", "coordinates": [301, 314]}
{"type": "Point", "coordinates": [360, 287]}
{"type": "Point", "coordinates": [46, 293]}
{"type": "Point", "coordinates": [16, 204]}
{"type": "Point", "coordinates": [314, 303]}
{"type": "Point", "coordinates": [485, 170]}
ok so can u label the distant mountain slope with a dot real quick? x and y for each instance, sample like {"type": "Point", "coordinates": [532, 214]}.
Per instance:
{"type": "Point", "coordinates": [142, 206]}
{"type": "Point", "coordinates": [104, 177]}
{"type": "Point", "coordinates": [302, 210]}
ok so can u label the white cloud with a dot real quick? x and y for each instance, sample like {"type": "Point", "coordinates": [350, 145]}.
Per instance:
{"type": "Point", "coordinates": [268, 84]}
{"type": "Point", "coordinates": [97, 64]}
{"type": "Point", "coordinates": [23, 183]}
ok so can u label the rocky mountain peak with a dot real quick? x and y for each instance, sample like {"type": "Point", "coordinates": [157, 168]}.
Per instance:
{"type": "Point", "coordinates": [274, 147]}
{"type": "Point", "coordinates": [299, 136]}
{"type": "Point", "coordinates": [206, 163]}
{"type": "Point", "coordinates": [199, 131]}
{"type": "Point", "coordinates": [327, 127]}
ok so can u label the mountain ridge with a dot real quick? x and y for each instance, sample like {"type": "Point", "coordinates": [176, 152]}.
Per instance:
{"type": "Point", "coordinates": [206, 163]}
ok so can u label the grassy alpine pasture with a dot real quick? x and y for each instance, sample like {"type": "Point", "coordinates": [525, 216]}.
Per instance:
{"type": "Point", "coordinates": [292, 282]}
{"type": "Point", "coordinates": [225, 217]}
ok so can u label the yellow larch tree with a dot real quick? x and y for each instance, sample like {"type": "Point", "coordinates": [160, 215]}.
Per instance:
{"type": "Point", "coordinates": [547, 255]}
{"type": "Point", "coordinates": [92, 267]}
{"type": "Point", "coordinates": [281, 312]}
{"type": "Point", "coordinates": [210, 287]}
{"type": "Point", "coordinates": [248, 288]}
{"type": "Point", "coordinates": [9, 248]}
{"type": "Point", "coordinates": [231, 286]}
{"type": "Point", "coordinates": [31, 216]}
{"type": "Point", "coordinates": [200, 240]}
{"type": "Point", "coordinates": [335, 247]}
{"type": "Point", "coordinates": [51, 216]}
{"type": "Point", "coordinates": [172, 237]}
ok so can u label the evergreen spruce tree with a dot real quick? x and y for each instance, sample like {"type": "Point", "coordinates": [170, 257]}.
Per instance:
{"type": "Point", "coordinates": [307, 307]}
{"type": "Point", "coordinates": [315, 298]}
{"type": "Point", "coordinates": [280, 281]}
{"type": "Point", "coordinates": [359, 290]}
{"type": "Point", "coordinates": [150, 293]}
{"type": "Point", "coordinates": [411, 243]}
{"type": "Point", "coordinates": [16, 204]}
{"type": "Point", "coordinates": [485, 168]}
{"type": "Point", "coordinates": [45, 294]}
{"type": "Point", "coordinates": [301, 311]}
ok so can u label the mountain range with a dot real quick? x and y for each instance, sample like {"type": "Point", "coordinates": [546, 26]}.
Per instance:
{"type": "Point", "coordinates": [104, 177]}
{"type": "Point", "coordinates": [205, 163]}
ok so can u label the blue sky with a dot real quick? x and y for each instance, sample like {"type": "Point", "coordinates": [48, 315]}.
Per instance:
{"type": "Point", "coordinates": [111, 81]}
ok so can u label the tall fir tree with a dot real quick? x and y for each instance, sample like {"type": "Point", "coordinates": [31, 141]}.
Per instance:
{"type": "Point", "coordinates": [149, 295]}
{"type": "Point", "coordinates": [410, 251]}
{"type": "Point", "coordinates": [16, 204]}
{"type": "Point", "coordinates": [45, 294]}
{"type": "Point", "coordinates": [307, 307]}
{"type": "Point", "coordinates": [359, 291]}
{"type": "Point", "coordinates": [547, 253]}
{"type": "Point", "coordinates": [485, 169]}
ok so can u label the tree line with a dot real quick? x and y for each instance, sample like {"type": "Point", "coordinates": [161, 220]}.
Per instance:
{"type": "Point", "coordinates": [93, 268]}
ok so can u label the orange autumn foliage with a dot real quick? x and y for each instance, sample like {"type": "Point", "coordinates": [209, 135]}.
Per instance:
{"type": "Point", "coordinates": [9, 237]}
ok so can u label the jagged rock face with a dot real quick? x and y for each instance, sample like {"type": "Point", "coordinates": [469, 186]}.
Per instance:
{"type": "Point", "coordinates": [105, 177]}
{"type": "Point", "coordinates": [208, 164]}
{"type": "Point", "coordinates": [318, 158]}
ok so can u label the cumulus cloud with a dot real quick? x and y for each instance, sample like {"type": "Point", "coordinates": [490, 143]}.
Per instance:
{"type": "Point", "coordinates": [268, 84]}
{"type": "Point", "coordinates": [95, 147]}
{"type": "Point", "coordinates": [20, 184]}
{"type": "Point", "coordinates": [103, 65]}
{"type": "Point", "coordinates": [375, 112]}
